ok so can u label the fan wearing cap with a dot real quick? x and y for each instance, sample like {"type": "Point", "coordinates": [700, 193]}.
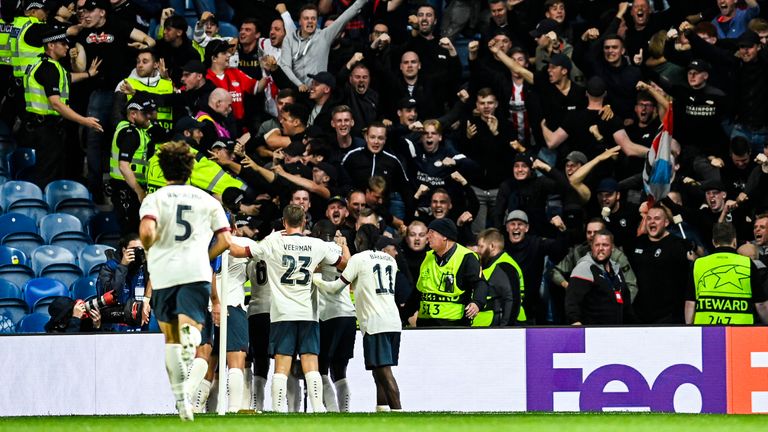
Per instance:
{"type": "Point", "coordinates": [700, 108]}
{"type": "Point", "coordinates": [450, 289]}
{"type": "Point", "coordinates": [131, 149]}
{"type": "Point", "coordinates": [321, 94]}
{"type": "Point", "coordinates": [549, 44]}
{"type": "Point", "coordinates": [23, 50]}
{"type": "Point", "coordinates": [46, 96]}
{"type": "Point", "coordinates": [231, 79]}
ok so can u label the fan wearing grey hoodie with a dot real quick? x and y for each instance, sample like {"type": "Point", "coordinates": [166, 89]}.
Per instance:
{"type": "Point", "coordinates": [305, 51]}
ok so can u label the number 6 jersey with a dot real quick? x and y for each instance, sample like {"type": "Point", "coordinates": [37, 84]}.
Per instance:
{"type": "Point", "coordinates": [187, 218]}
{"type": "Point", "coordinates": [290, 262]}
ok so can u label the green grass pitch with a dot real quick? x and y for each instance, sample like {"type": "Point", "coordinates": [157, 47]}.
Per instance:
{"type": "Point", "coordinates": [396, 422]}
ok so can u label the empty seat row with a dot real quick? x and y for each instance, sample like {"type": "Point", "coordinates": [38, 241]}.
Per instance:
{"type": "Point", "coordinates": [39, 293]}
{"type": "Point", "coordinates": [65, 196]}
{"type": "Point", "coordinates": [52, 262]}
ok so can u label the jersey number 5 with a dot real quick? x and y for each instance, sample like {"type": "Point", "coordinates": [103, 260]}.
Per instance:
{"type": "Point", "coordinates": [185, 225]}
{"type": "Point", "coordinates": [290, 277]}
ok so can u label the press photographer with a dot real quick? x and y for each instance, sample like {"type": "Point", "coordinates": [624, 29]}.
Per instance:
{"type": "Point", "coordinates": [121, 287]}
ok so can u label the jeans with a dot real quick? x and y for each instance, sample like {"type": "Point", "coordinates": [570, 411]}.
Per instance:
{"type": "Point", "coordinates": [97, 144]}
{"type": "Point", "coordinates": [487, 200]}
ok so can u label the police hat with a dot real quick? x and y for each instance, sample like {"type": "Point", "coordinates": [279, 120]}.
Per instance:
{"type": "Point", "coordinates": [141, 101]}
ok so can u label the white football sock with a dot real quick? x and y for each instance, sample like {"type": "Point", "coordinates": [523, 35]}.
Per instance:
{"type": "Point", "coordinates": [200, 396]}
{"type": "Point", "coordinates": [343, 394]}
{"type": "Point", "coordinates": [259, 385]}
{"type": "Point", "coordinates": [329, 396]}
{"type": "Point", "coordinates": [234, 389]}
{"type": "Point", "coordinates": [382, 408]}
{"type": "Point", "coordinates": [176, 370]}
{"type": "Point", "coordinates": [279, 393]}
{"type": "Point", "coordinates": [213, 397]}
{"type": "Point", "coordinates": [190, 339]}
{"type": "Point", "coordinates": [196, 374]}
{"type": "Point", "coordinates": [315, 391]}
{"type": "Point", "coordinates": [397, 410]}
{"type": "Point", "coordinates": [293, 393]}
{"type": "Point", "coordinates": [247, 388]}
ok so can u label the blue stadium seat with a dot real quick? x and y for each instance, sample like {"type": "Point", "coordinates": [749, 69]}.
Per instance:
{"type": "Point", "coordinates": [21, 163]}
{"type": "Point", "coordinates": [9, 290]}
{"type": "Point", "coordinates": [12, 256]}
{"type": "Point", "coordinates": [19, 231]}
{"type": "Point", "coordinates": [23, 197]}
{"type": "Point", "coordinates": [92, 257]}
{"type": "Point", "coordinates": [65, 191]}
{"type": "Point", "coordinates": [64, 230]}
{"type": "Point", "coordinates": [3, 179]}
{"type": "Point", "coordinates": [7, 146]}
{"type": "Point", "coordinates": [18, 275]}
{"type": "Point", "coordinates": [14, 310]}
{"type": "Point", "coordinates": [48, 256]}
{"type": "Point", "coordinates": [71, 197]}
{"type": "Point", "coordinates": [85, 287]}
{"type": "Point", "coordinates": [33, 323]}
{"type": "Point", "coordinates": [39, 288]}
{"type": "Point", "coordinates": [104, 229]}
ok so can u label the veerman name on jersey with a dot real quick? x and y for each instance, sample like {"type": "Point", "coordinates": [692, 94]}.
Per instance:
{"type": "Point", "coordinates": [297, 248]}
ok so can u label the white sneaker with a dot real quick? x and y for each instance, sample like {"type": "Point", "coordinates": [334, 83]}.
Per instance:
{"type": "Point", "coordinates": [185, 410]}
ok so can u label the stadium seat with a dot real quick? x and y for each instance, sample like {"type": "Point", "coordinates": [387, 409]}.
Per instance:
{"type": "Point", "coordinates": [19, 275]}
{"type": "Point", "coordinates": [104, 229]}
{"type": "Point", "coordinates": [64, 230]}
{"type": "Point", "coordinates": [33, 323]}
{"type": "Point", "coordinates": [85, 287]}
{"type": "Point", "coordinates": [92, 257]}
{"type": "Point", "coordinates": [56, 262]}
{"type": "Point", "coordinates": [12, 256]}
{"type": "Point", "coordinates": [21, 163]}
{"type": "Point", "coordinates": [65, 191]}
{"type": "Point", "coordinates": [19, 231]}
{"type": "Point", "coordinates": [9, 290]}
{"type": "Point", "coordinates": [7, 146]}
{"type": "Point", "coordinates": [84, 210]}
{"type": "Point", "coordinates": [14, 310]}
{"type": "Point", "coordinates": [25, 198]}
{"type": "Point", "coordinates": [40, 288]}
{"type": "Point", "coordinates": [3, 179]}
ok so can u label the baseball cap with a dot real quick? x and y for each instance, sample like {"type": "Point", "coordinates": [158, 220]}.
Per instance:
{"type": "Point", "coordinates": [713, 185]}
{"type": "Point", "coordinates": [524, 157]}
{"type": "Point", "coordinates": [406, 102]}
{"type": "Point", "coordinates": [596, 87]}
{"type": "Point", "coordinates": [545, 26]}
{"type": "Point", "coordinates": [577, 156]}
{"type": "Point", "coordinates": [561, 60]}
{"type": "Point", "coordinates": [232, 197]}
{"type": "Point", "coordinates": [607, 185]}
{"type": "Point", "coordinates": [95, 4]}
{"type": "Point", "coordinates": [337, 198]}
{"type": "Point", "coordinates": [186, 123]}
{"type": "Point", "coordinates": [748, 39]}
{"type": "Point", "coordinates": [228, 144]}
{"type": "Point", "coordinates": [141, 101]}
{"type": "Point", "coordinates": [194, 66]}
{"type": "Point", "coordinates": [516, 215]}
{"type": "Point", "coordinates": [699, 65]}
{"type": "Point", "coordinates": [326, 78]}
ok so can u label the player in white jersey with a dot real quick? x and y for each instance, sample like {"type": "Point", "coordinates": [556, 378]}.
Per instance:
{"type": "Point", "coordinates": [291, 258]}
{"type": "Point", "coordinates": [177, 224]}
{"type": "Point", "coordinates": [372, 275]}
{"type": "Point", "coordinates": [338, 326]}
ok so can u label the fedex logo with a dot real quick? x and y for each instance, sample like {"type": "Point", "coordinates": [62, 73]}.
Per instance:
{"type": "Point", "coordinates": [748, 366]}
{"type": "Point", "coordinates": [635, 369]}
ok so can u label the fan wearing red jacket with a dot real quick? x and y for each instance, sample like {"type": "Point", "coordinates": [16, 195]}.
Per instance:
{"type": "Point", "coordinates": [231, 79]}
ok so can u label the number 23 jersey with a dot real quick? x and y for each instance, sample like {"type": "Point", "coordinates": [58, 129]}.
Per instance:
{"type": "Point", "coordinates": [291, 260]}
{"type": "Point", "coordinates": [187, 218]}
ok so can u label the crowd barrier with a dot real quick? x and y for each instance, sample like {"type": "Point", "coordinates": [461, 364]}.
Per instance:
{"type": "Point", "coordinates": [665, 369]}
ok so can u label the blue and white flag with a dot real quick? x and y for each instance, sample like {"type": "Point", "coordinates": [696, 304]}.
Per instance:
{"type": "Point", "coordinates": [658, 172]}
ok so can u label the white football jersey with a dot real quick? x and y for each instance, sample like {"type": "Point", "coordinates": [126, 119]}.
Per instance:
{"type": "Point", "coordinates": [237, 275]}
{"type": "Point", "coordinates": [334, 305]}
{"type": "Point", "coordinates": [261, 297]}
{"type": "Point", "coordinates": [291, 260]}
{"type": "Point", "coordinates": [372, 275]}
{"type": "Point", "coordinates": [187, 218]}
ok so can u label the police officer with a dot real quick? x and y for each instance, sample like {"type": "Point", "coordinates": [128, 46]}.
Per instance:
{"type": "Point", "coordinates": [449, 285]}
{"type": "Point", "coordinates": [23, 51]}
{"type": "Point", "coordinates": [725, 288]}
{"type": "Point", "coordinates": [46, 92]}
{"type": "Point", "coordinates": [147, 77]}
{"type": "Point", "coordinates": [129, 159]}
{"type": "Point", "coordinates": [505, 280]}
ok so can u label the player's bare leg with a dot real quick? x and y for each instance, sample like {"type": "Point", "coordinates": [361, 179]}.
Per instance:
{"type": "Point", "coordinates": [386, 380]}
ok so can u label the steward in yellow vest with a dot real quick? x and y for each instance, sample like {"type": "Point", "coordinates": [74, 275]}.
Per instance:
{"type": "Point", "coordinates": [450, 285]}
{"type": "Point", "coordinates": [146, 77]}
{"type": "Point", "coordinates": [129, 159]}
{"type": "Point", "coordinates": [505, 283]}
{"type": "Point", "coordinates": [725, 288]}
{"type": "Point", "coordinates": [46, 93]}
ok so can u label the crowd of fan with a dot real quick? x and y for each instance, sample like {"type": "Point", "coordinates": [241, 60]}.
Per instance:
{"type": "Point", "coordinates": [531, 117]}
